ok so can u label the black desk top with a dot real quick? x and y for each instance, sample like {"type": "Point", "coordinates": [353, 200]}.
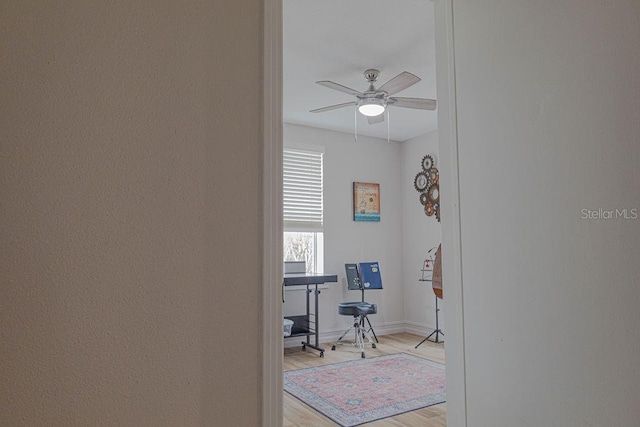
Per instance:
{"type": "Point", "coordinates": [292, 279]}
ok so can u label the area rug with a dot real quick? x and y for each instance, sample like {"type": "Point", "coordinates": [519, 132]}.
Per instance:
{"type": "Point", "coordinates": [364, 390]}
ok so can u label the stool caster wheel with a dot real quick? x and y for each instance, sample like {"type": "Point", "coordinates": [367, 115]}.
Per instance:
{"type": "Point", "coordinates": [322, 354]}
{"type": "Point", "coordinates": [333, 347]}
{"type": "Point", "coordinates": [373, 345]}
{"type": "Point", "coordinates": [304, 348]}
{"type": "Point", "coordinates": [362, 355]}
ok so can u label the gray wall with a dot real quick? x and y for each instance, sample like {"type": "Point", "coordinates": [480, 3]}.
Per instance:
{"type": "Point", "coordinates": [346, 161]}
{"type": "Point", "coordinates": [130, 177]}
{"type": "Point", "coordinates": [400, 240]}
{"type": "Point", "coordinates": [420, 233]}
{"type": "Point", "coordinates": [548, 102]}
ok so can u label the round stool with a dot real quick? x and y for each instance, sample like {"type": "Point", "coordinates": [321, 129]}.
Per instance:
{"type": "Point", "coordinates": [359, 310]}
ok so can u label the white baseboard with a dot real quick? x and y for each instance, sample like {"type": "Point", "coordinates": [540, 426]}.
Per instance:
{"type": "Point", "coordinates": [380, 330]}
{"type": "Point", "coordinates": [419, 328]}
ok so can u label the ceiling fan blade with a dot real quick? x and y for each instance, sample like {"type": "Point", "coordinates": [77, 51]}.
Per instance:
{"type": "Point", "coordinates": [417, 103]}
{"type": "Point", "coordinates": [338, 87]}
{"type": "Point", "coordinates": [375, 119]}
{"type": "Point", "coordinates": [332, 107]}
{"type": "Point", "coordinates": [399, 82]}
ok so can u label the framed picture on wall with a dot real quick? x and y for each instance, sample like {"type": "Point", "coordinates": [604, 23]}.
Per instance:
{"type": "Point", "coordinates": [366, 201]}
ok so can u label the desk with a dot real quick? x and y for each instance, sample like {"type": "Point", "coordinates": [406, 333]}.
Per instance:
{"type": "Point", "coordinates": [303, 325]}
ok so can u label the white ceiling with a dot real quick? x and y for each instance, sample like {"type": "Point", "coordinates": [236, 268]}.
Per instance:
{"type": "Point", "coordinates": [337, 40]}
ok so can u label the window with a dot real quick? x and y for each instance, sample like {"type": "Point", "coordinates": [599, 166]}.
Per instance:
{"type": "Point", "coordinates": [303, 208]}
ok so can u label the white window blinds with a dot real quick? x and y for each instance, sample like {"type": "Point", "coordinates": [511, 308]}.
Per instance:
{"type": "Point", "coordinates": [302, 190]}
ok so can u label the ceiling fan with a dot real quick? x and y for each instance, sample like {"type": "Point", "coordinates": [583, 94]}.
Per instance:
{"type": "Point", "coordinates": [374, 102]}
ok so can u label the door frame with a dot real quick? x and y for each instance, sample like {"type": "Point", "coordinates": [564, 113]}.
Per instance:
{"type": "Point", "coordinates": [272, 338]}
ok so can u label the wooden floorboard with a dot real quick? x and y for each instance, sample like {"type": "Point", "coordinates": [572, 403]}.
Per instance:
{"type": "Point", "coordinates": [298, 414]}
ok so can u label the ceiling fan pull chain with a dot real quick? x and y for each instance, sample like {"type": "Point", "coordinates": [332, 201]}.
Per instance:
{"type": "Point", "coordinates": [388, 125]}
{"type": "Point", "coordinates": [355, 123]}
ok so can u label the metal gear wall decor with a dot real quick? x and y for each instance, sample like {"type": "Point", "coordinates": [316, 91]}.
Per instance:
{"type": "Point", "coordinates": [421, 182]}
{"type": "Point", "coordinates": [429, 210]}
{"type": "Point", "coordinates": [433, 195]}
{"type": "Point", "coordinates": [427, 163]}
{"type": "Point", "coordinates": [434, 176]}
{"type": "Point", "coordinates": [426, 183]}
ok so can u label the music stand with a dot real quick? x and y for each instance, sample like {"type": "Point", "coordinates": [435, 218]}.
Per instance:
{"type": "Point", "coordinates": [370, 279]}
{"type": "Point", "coordinates": [355, 282]}
{"type": "Point", "coordinates": [436, 284]}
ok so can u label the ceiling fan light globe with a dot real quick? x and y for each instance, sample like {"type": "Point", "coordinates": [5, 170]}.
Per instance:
{"type": "Point", "coordinates": [371, 110]}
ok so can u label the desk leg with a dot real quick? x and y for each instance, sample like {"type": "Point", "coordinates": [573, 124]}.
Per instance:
{"type": "Point", "coordinates": [317, 315]}
{"type": "Point", "coordinates": [305, 344]}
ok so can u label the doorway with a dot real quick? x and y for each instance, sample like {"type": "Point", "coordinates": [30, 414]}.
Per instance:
{"type": "Point", "coordinates": [272, 261]}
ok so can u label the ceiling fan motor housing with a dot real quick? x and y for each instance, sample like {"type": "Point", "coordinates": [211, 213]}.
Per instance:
{"type": "Point", "coordinates": [371, 75]}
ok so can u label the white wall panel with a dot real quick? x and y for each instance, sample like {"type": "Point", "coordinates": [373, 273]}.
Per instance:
{"type": "Point", "coordinates": [548, 102]}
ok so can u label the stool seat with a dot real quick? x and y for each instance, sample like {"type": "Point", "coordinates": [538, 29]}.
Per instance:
{"type": "Point", "coordinates": [357, 308]}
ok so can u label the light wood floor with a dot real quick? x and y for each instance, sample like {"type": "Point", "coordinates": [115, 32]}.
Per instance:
{"type": "Point", "coordinates": [297, 413]}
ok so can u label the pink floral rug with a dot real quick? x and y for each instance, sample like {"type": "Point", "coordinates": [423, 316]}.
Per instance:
{"type": "Point", "coordinates": [363, 390]}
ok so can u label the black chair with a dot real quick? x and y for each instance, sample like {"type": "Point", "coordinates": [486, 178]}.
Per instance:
{"type": "Point", "coordinates": [359, 310]}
